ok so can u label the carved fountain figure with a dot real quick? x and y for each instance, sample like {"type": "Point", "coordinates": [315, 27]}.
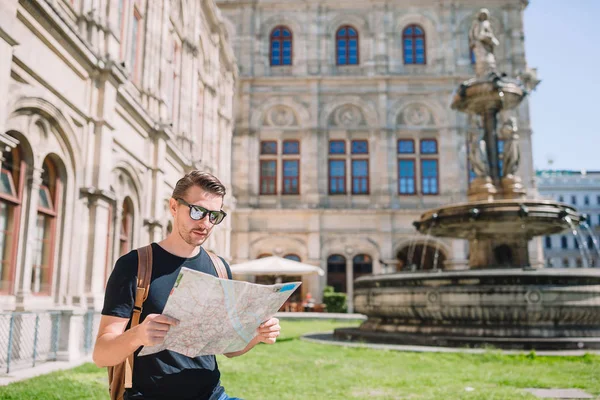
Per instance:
{"type": "Point", "coordinates": [502, 298]}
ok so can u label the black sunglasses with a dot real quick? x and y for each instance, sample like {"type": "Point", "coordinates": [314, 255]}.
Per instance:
{"type": "Point", "coordinates": [198, 212]}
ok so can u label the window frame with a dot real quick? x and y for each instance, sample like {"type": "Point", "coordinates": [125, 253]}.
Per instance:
{"type": "Point", "coordinates": [347, 37]}
{"type": "Point", "coordinates": [413, 38]}
{"type": "Point", "coordinates": [281, 39]}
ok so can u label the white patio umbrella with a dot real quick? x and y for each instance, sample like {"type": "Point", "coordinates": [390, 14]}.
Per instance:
{"type": "Point", "coordinates": [275, 266]}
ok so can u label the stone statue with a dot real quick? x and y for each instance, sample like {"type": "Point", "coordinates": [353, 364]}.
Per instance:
{"type": "Point", "coordinates": [512, 154]}
{"type": "Point", "coordinates": [477, 149]}
{"type": "Point", "coordinates": [482, 42]}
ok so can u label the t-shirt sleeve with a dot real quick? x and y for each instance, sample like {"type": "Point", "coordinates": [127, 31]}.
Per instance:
{"type": "Point", "coordinates": [121, 287]}
{"type": "Point", "coordinates": [229, 275]}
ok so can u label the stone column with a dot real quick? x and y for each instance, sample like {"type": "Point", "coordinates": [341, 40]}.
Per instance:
{"type": "Point", "coordinates": [8, 20]}
{"type": "Point", "coordinates": [349, 280]}
{"type": "Point", "coordinates": [29, 237]}
{"type": "Point", "coordinates": [99, 203]}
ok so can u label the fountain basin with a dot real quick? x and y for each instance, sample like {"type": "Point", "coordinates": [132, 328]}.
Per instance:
{"type": "Point", "coordinates": [478, 96]}
{"type": "Point", "coordinates": [489, 219]}
{"type": "Point", "coordinates": [506, 308]}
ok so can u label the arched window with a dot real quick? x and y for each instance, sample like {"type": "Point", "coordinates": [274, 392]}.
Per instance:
{"type": "Point", "coordinates": [346, 39]}
{"type": "Point", "coordinates": [45, 230]}
{"type": "Point", "coordinates": [126, 233]}
{"type": "Point", "coordinates": [12, 178]}
{"type": "Point", "coordinates": [292, 257]}
{"type": "Point", "coordinates": [264, 255]}
{"type": "Point", "coordinates": [281, 46]}
{"type": "Point", "coordinates": [336, 272]}
{"type": "Point", "coordinates": [413, 42]}
{"type": "Point", "coordinates": [362, 264]}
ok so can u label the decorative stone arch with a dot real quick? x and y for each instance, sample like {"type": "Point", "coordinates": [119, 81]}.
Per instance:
{"type": "Point", "coordinates": [279, 246]}
{"type": "Point", "coordinates": [357, 21]}
{"type": "Point", "coordinates": [462, 36]}
{"type": "Point", "coordinates": [429, 24]}
{"type": "Point", "coordinates": [369, 113]}
{"type": "Point", "coordinates": [26, 103]}
{"type": "Point", "coordinates": [437, 116]}
{"type": "Point", "coordinates": [126, 183]}
{"type": "Point", "coordinates": [299, 113]}
{"type": "Point", "coordinates": [350, 247]}
{"type": "Point", "coordinates": [267, 26]}
{"type": "Point", "coordinates": [431, 242]}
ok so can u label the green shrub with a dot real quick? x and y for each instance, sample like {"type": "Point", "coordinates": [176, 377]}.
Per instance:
{"type": "Point", "coordinates": [335, 302]}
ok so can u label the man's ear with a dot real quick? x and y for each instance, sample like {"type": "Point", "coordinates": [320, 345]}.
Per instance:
{"type": "Point", "coordinates": [173, 206]}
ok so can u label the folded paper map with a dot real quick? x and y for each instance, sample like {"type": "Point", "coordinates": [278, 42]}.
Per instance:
{"type": "Point", "coordinates": [217, 316]}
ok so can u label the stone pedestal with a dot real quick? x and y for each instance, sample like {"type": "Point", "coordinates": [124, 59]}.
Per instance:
{"type": "Point", "coordinates": [512, 187]}
{"type": "Point", "coordinates": [482, 189]}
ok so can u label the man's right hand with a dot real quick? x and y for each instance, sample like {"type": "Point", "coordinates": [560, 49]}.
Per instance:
{"type": "Point", "coordinates": [153, 330]}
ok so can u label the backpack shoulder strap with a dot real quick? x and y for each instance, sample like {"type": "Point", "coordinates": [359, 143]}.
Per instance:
{"type": "Point", "coordinates": [141, 294]}
{"type": "Point", "coordinates": [218, 264]}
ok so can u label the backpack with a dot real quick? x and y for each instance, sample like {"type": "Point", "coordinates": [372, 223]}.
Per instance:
{"type": "Point", "coordinates": [120, 376]}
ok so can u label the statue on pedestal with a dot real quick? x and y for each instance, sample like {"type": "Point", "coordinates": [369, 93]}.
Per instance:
{"type": "Point", "coordinates": [482, 42]}
{"type": "Point", "coordinates": [512, 154]}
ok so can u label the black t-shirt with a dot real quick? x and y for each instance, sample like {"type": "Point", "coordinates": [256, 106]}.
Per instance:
{"type": "Point", "coordinates": [167, 374]}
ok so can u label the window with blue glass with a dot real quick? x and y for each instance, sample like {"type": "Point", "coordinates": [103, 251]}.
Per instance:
{"type": "Point", "coordinates": [429, 177]}
{"type": "Point", "coordinates": [291, 147]}
{"type": "Point", "coordinates": [291, 175]}
{"type": "Point", "coordinates": [337, 147]}
{"type": "Point", "coordinates": [563, 242]}
{"type": "Point", "coordinates": [337, 176]}
{"type": "Point", "coordinates": [281, 46]}
{"type": "Point", "coordinates": [586, 200]}
{"type": "Point", "coordinates": [268, 176]}
{"type": "Point", "coordinates": [268, 147]}
{"type": "Point", "coordinates": [406, 146]}
{"type": "Point", "coordinates": [429, 146]}
{"type": "Point", "coordinates": [548, 242]}
{"type": "Point", "coordinates": [413, 40]}
{"type": "Point", "coordinates": [360, 177]}
{"type": "Point", "coordinates": [360, 147]}
{"type": "Point", "coordinates": [407, 177]}
{"type": "Point", "coordinates": [472, 56]}
{"type": "Point", "coordinates": [346, 39]}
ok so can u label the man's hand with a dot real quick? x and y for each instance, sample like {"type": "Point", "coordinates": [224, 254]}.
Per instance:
{"type": "Point", "coordinates": [153, 330]}
{"type": "Point", "coordinates": [269, 331]}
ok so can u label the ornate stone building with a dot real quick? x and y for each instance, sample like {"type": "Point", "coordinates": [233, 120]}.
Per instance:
{"type": "Point", "coordinates": [104, 105]}
{"type": "Point", "coordinates": [343, 131]}
{"type": "Point", "coordinates": [580, 189]}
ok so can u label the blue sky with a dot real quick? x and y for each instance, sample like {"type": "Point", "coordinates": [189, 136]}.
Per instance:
{"type": "Point", "coordinates": [562, 40]}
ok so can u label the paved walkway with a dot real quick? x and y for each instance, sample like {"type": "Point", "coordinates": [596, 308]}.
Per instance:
{"type": "Point", "coordinates": [41, 369]}
{"type": "Point", "coordinates": [314, 315]}
{"type": "Point", "coordinates": [327, 338]}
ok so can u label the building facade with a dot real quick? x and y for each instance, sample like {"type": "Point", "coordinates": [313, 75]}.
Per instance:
{"type": "Point", "coordinates": [105, 104]}
{"type": "Point", "coordinates": [580, 189]}
{"type": "Point", "coordinates": [343, 132]}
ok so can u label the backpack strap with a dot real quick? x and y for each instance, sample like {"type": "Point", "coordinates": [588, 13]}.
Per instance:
{"type": "Point", "coordinates": [141, 294]}
{"type": "Point", "coordinates": [218, 264]}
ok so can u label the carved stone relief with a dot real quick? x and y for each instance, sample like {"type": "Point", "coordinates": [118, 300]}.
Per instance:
{"type": "Point", "coordinates": [281, 116]}
{"type": "Point", "coordinates": [416, 115]}
{"type": "Point", "coordinates": [347, 116]}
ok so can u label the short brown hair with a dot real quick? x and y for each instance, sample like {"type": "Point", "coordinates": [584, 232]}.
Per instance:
{"type": "Point", "coordinates": [207, 182]}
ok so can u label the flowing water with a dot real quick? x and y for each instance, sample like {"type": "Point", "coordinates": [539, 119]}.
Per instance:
{"type": "Point", "coordinates": [582, 248]}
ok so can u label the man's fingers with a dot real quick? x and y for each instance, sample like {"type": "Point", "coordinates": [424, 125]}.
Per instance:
{"type": "Point", "coordinates": [163, 319]}
{"type": "Point", "coordinates": [271, 322]}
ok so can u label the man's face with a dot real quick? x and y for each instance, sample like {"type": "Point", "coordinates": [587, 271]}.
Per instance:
{"type": "Point", "coordinates": [193, 232]}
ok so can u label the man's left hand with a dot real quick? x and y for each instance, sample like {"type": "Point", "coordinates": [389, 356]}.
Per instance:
{"type": "Point", "coordinates": [269, 331]}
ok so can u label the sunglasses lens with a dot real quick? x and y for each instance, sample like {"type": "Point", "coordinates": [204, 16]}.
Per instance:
{"type": "Point", "coordinates": [196, 214]}
{"type": "Point", "coordinates": [216, 217]}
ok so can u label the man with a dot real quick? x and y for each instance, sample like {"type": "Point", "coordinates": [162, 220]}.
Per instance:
{"type": "Point", "coordinates": [196, 208]}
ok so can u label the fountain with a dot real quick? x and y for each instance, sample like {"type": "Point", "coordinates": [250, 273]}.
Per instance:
{"type": "Point", "coordinates": [500, 300]}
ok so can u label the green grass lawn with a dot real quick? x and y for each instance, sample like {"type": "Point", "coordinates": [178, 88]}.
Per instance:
{"type": "Point", "coordinates": [294, 369]}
